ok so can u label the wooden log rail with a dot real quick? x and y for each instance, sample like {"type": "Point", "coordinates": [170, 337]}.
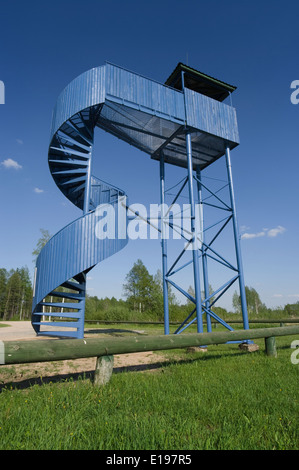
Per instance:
{"type": "Point", "coordinates": [18, 352]}
{"type": "Point", "coordinates": [282, 321]}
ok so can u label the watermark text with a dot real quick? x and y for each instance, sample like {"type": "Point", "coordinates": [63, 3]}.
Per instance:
{"type": "Point", "coordinates": [2, 92]}
{"type": "Point", "coordinates": [295, 354]}
{"type": "Point", "coordinates": [160, 221]}
{"type": "Point", "coordinates": [295, 94]}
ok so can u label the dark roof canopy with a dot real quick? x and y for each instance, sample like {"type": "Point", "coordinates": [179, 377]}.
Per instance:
{"type": "Point", "coordinates": [199, 82]}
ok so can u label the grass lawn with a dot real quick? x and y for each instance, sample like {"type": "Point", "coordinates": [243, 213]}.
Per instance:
{"type": "Point", "coordinates": [222, 399]}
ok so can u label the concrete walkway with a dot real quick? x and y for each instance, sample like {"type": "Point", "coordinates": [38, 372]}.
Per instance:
{"type": "Point", "coordinates": [16, 330]}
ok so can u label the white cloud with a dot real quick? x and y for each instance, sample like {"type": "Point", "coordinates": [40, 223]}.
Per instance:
{"type": "Point", "coordinates": [38, 190]}
{"type": "Point", "coordinates": [272, 232]}
{"type": "Point", "coordinates": [296, 296]}
{"type": "Point", "coordinates": [19, 141]}
{"type": "Point", "coordinates": [10, 163]}
{"type": "Point", "coordinates": [246, 235]}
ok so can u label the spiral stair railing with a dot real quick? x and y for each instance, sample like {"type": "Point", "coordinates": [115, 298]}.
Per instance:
{"type": "Point", "coordinates": [63, 263]}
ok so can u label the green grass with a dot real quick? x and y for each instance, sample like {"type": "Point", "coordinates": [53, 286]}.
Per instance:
{"type": "Point", "coordinates": [222, 399]}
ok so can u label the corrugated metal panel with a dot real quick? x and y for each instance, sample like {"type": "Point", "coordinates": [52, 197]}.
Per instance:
{"type": "Point", "coordinates": [146, 95]}
{"type": "Point", "coordinates": [71, 251]}
{"type": "Point", "coordinates": [211, 116]}
{"type": "Point", "coordinates": [84, 91]}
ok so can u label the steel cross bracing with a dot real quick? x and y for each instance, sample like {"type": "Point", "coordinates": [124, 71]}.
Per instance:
{"type": "Point", "coordinates": [172, 126]}
{"type": "Point", "coordinates": [203, 250]}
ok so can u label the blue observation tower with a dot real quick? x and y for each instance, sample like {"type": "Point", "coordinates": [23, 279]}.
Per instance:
{"type": "Point", "coordinates": [183, 122]}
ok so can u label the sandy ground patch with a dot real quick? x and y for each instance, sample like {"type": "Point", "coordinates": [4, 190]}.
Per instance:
{"type": "Point", "coordinates": [28, 374]}
{"type": "Point", "coordinates": [44, 372]}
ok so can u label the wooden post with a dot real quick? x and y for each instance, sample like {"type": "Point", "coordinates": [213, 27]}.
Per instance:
{"type": "Point", "coordinates": [103, 371]}
{"type": "Point", "coordinates": [270, 345]}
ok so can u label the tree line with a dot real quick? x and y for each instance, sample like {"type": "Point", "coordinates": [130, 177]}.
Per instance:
{"type": "Point", "coordinates": [16, 287]}
{"type": "Point", "coordinates": [143, 298]}
{"type": "Point", "coordinates": [143, 294]}
{"type": "Point", "coordinates": [15, 294]}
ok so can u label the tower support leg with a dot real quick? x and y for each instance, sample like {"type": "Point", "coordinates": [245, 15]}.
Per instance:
{"type": "Point", "coordinates": [194, 236]}
{"type": "Point", "coordinates": [237, 240]}
{"type": "Point", "coordinates": [164, 246]}
{"type": "Point", "coordinates": [204, 255]}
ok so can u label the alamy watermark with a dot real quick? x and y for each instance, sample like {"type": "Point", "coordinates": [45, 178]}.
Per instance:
{"type": "Point", "coordinates": [2, 92]}
{"type": "Point", "coordinates": [120, 221]}
{"type": "Point", "coordinates": [295, 354]}
{"type": "Point", "coordinates": [295, 94]}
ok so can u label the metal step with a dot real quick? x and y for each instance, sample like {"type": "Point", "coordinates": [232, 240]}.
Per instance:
{"type": "Point", "coordinates": [64, 324]}
{"type": "Point", "coordinates": [66, 295]}
{"type": "Point", "coordinates": [73, 285]}
{"type": "Point", "coordinates": [63, 304]}
{"type": "Point", "coordinates": [68, 334]}
{"type": "Point", "coordinates": [59, 314]}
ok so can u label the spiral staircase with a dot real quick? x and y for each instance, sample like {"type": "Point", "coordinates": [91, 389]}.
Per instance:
{"type": "Point", "coordinates": [153, 117]}
{"type": "Point", "coordinates": [62, 266]}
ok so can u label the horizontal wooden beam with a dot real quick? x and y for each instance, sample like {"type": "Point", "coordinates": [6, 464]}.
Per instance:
{"type": "Point", "coordinates": [18, 352]}
{"type": "Point", "coordinates": [230, 321]}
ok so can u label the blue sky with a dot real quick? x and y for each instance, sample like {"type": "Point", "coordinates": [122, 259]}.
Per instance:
{"type": "Point", "coordinates": [44, 45]}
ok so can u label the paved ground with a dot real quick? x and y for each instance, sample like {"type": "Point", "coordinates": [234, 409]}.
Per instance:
{"type": "Point", "coordinates": [16, 330]}
{"type": "Point", "coordinates": [25, 375]}
{"type": "Point", "coordinates": [19, 330]}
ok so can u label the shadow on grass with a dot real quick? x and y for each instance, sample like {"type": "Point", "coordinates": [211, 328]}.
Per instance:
{"type": "Point", "coordinates": [89, 375]}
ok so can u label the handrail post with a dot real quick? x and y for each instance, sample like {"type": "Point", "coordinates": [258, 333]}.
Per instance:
{"type": "Point", "coordinates": [86, 204]}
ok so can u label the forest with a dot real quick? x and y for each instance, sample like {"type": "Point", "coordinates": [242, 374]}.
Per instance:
{"type": "Point", "coordinates": [15, 294]}
{"type": "Point", "coordinates": [143, 294]}
{"type": "Point", "coordinates": [143, 300]}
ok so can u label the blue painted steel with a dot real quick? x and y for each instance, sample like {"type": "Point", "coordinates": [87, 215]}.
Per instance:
{"type": "Point", "coordinates": [164, 247]}
{"type": "Point", "coordinates": [87, 192]}
{"type": "Point", "coordinates": [180, 328]}
{"type": "Point", "coordinates": [83, 92]}
{"type": "Point", "coordinates": [145, 95]}
{"type": "Point", "coordinates": [211, 116]}
{"type": "Point", "coordinates": [237, 241]}
{"type": "Point", "coordinates": [206, 249]}
{"type": "Point", "coordinates": [148, 115]}
{"type": "Point", "coordinates": [194, 238]}
{"type": "Point", "coordinates": [206, 302]}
